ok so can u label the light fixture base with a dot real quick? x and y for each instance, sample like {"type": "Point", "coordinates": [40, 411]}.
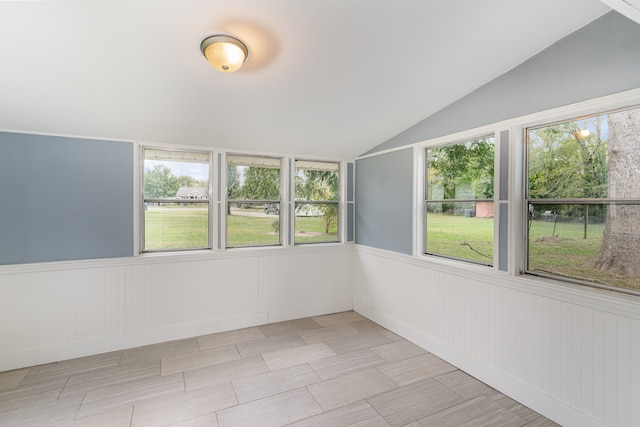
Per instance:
{"type": "Point", "coordinates": [225, 53]}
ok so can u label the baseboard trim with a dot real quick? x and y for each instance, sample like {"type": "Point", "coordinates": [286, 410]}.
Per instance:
{"type": "Point", "coordinates": [546, 405]}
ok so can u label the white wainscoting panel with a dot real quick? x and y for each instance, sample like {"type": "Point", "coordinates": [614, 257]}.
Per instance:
{"type": "Point", "coordinates": [57, 311]}
{"type": "Point", "coordinates": [571, 354]}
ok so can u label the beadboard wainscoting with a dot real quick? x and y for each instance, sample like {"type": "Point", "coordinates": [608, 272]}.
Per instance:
{"type": "Point", "coordinates": [58, 311]}
{"type": "Point", "coordinates": [566, 351]}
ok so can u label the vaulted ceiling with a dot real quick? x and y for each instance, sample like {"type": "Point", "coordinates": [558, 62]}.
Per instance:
{"type": "Point", "coordinates": [324, 77]}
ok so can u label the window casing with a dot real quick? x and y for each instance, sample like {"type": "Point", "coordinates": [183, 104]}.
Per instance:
{"type": "Point", "coordinates": [582, 200]}
{"type": "Point", "coordinates": [253, 201]}
{"type": "Point", "coordinates": [317, 202]}
{"type": "Point", "coordinates": [459, 206]}
{"type": "Point", "coordinates": [176, 207]}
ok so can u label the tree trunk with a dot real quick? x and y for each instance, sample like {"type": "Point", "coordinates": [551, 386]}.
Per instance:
{"type": "Point", "coordinates": [620, 251]}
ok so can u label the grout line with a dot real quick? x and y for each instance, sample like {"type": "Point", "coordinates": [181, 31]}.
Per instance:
{"type": "Point", "coordinates": [63, 387]}
{"type": "Point", "coordinates": [80, 406]}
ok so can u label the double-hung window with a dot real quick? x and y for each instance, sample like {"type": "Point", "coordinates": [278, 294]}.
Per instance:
{"type": "Point", "coordinates": [583, 200]}
{"type": "Point", "coordinates": [459, 200]}
{"type": "Point", "coordinates": [176, 202]}
{"type": "Point", "coordinates": [253, 200]}
{"type": "Point", "coordinates": [317, 201]}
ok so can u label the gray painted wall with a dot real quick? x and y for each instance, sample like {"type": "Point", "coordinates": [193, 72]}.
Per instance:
{"type": "Point", "coordinates": [599, 59]}
{"type": "Point", "coordinates": [64, 198]}
{"type": "Point", "coordinates": [384, 201]}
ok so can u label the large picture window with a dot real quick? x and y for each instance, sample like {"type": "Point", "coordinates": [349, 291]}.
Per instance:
{"type": "Point", "coordinates": [317, 201]}
{"type": "Point", "coordinates": [175, 200]}
{"type": "Point", "coordinates": [459, 201]}
{"type": "Point", "coordinates": [253, 201]}
{"type": "Point", "coordinates": [583, 200]}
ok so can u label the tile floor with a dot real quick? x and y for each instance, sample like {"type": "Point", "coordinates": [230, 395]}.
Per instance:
{"type": "Point", "coordinates": [334, 370]}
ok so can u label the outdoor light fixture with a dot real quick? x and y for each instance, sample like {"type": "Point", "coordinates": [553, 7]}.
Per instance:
{"type": "Point", "coordinates": [224, 53]}
{"type": "Point", "coordinates": [581, 134]}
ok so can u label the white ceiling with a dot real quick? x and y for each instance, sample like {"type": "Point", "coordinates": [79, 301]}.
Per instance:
{"type": "Point", "coordinates": [330, 78]}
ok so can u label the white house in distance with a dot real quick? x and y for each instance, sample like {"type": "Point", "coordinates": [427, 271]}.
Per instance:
{"type": "Point", "coordinates": [191, 193]}
{"type": "Point", "coordinates": [87, 87]}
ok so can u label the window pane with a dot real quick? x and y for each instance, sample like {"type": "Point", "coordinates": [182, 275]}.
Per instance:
{"type": "Point", "coordinates": [461, 230]}
{"type": "Point", "coordinates": [585, 242]}
{"type": "Point", "coordinates": [253, 224]}
{"type": "Point", "coordinates": [255, 182]}
{"type": "Point", "coordinates": [175, 175]}
{"type": "Point", "coordinates": [316, 223]}
{"type": "Point", "coordinates": [253, 210]}
{"type": "Point", "coordinates": [461, 171]}
{"type": "Point", "coordinates": [176, 226]}
{"type": "Point", "coordinates": [459, 205]}
{"type": "Point", "coordinates": [316, 181]}
{"type": "Point", "coordinates": [578, 161]}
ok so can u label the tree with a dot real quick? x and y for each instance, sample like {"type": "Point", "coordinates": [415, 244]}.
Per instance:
{"type": "Point", "coordinates": [621, 240]}
{"type": "Point", "coordinates": [261, 183]}
{"type": "Point", "coordinates": [319, 185]}
{"type": "Point", "coordinates": [468, 163]}
{"type": "Point", "coordinates": [160, 183]}
{"type": "Point", "coordinates": [233, 182]}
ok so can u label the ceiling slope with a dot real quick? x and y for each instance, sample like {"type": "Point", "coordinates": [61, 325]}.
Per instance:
{"type": "Point", "coordinates": [325, 78]}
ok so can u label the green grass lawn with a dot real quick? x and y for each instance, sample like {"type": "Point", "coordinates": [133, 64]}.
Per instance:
{"type": "Point", "coordinates": [180, 228]}
{"type": "Point", "coordinates": [563, 251]}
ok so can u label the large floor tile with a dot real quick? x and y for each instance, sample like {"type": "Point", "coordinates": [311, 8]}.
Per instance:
{"type": "Point", "coordinates": [129, 393]}
{"type": "Point", "coordinates": [298, 355]}
{"type": "Point", "coordinates": [398, 350]}
{"type": "Point", "coordinates": [31, 394]}
{"type": "Point", "coordinates": [275, 382]}
{"type": "Point", "coordinates": [359, 414]}
{"type": "Point", "coordinates": [183, 406]}
{"type": "Point", "coordinates": [231, 337]}
{"type": "Point", "coordinates": [11, 379]}
{"type": "Point", "coordinates": [463, 384]}
{"type": "Point", "coordinates": [66, 368]}
{"type": "Point", "coordinates": [273, 411]}
{"type": "Point", "coordinates": [199, 359]}
{"type": "Point", "coordinates": [413, 402]}
{"type": "Point", "coordinates": [417, 368]}
{"type": "Point", "coordinates": [57, 411]}
{"type": "Point", "coordinates": [346, 364]}
{"type": "Point", "coordinates": [155, 352]}
{"type": "Point", "coordinates": [270, 344]}
{"type": "Point", "coordinates": [338, 318]}
{"type": "Point", "coordinates": [118, 417]}
{"type": "Point", "coordinates": [348, 389]}
{"type": "Point", "coordinates": [517, 408]}
{"type": "Point", "coordinates": [478, 412]}
{"type": "Point", "coordinates": [96, 380]}
{"type": "Point", "coordinates": [360, 341]}
{"type": "Point", "coordinates": [224, 372]}
{"type": "Point", "coordinates": [289, 327]}
{"type": "Point", "coordinates": [327, 333]}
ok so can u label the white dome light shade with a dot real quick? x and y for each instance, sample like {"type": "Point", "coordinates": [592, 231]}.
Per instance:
{"type": "Point", "coordinates": [224, 53]}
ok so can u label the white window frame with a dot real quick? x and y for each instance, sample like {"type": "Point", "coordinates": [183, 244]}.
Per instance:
{"type": "Point", "coordinates": [140, 224]}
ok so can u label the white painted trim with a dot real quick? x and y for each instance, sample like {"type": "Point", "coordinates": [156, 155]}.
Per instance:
{"type": "Point", "coordinates": [617, 303]}
{"type": "Point", "coordinates": [164, 257]}
{"type": "Point", "coordinates": [522, 392]}
{"type": "Point", "coordinates": [628, 8]}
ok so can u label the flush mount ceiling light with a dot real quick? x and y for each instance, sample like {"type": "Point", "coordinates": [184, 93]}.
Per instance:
{"type": "Point", "coordinates": [225, 53]}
